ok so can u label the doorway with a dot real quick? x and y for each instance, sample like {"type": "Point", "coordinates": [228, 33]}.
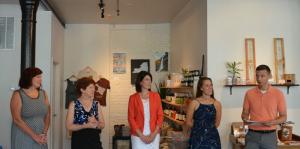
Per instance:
{"type": "Point", "coordinates": [56, 106]}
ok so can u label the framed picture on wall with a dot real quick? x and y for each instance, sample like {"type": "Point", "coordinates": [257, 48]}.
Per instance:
{"type": "Point", "coordinates": [138, 65]}
{"type": "Point", "coordinates": [119, 63]}
{"type": "Point", "coordinates": [250, 60]}
{"type": "Point", "coordinates": [279, 59]}
{"type": "Point", "coordinates": [161, 64]}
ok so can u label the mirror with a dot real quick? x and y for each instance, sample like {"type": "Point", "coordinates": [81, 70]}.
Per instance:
{"type": "Point", "coordinates": [250, 60]}
{"type": "Point", "coordinates": [279, 59]}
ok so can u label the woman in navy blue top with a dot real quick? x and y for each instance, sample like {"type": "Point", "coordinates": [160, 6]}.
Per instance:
{"type": "Point", "coordinates": [203, 117]}
{"type": "Point", "coordinates": [85, 118]}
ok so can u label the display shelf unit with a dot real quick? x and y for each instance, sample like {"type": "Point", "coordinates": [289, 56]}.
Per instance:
{"type": "Point", "coordinates": [171, 103]}
{"type": "Point", "coordinates": [188, 90]}
{"type": "Point", "coordinates": [287, 85]}
{"type": "Point", "coordinates": [179, 87]}
{"type": "Point", "coordinates": [188, 77]}
{"type": "Point", "coordinates": [174, 120]}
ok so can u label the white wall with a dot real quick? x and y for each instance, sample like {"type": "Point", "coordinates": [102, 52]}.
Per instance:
{"type": "Point", "coordinates": [139, 42]}
{"type": "Point", "coordinates": [93, 45]}
{"type": "Point", "coordinates": [188, 36]}
{"type": "Point", "coordinates": [57, 104]}
{"type": "Point", "coordinates": [87, 45]}
{"type": "Point", "coordinates": [9, 74]}
{"type": "Point", "coordinates": [228, 24]}
{"type": "Point", "coordinates": [43, 47]}
{"type": "Point", "coordinates": [10, 63]}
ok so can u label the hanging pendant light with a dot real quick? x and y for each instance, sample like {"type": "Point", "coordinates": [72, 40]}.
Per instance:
{"type": "Point", "coordinates": [101, 6]}
{"type": "Point", "coordinates": [118, 7]}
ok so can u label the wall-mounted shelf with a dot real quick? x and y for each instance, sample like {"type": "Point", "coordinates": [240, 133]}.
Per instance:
{"type": "Point", "coordinates": [247, 85]}
{"type": "Point", "coordinates": [172, 119]}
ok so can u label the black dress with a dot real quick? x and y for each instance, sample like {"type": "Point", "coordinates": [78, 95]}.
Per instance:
{"type": "Point", "coordinates": [204, 134]}
{"type": "Point", "coordinates": [85, 138]}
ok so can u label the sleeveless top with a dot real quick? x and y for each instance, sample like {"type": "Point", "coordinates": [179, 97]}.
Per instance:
{"type": "Point", "coordinates": [88, 138]}
{"type": "Point", "coordinates": [204, 134]}
{"type": "Point", "coordinates": [81, 116]}
{"type": "Point", "coordinates": [33, 111]}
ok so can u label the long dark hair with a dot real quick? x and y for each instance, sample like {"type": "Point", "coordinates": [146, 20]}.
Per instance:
{"type": "Point", "coordinates": [200, 84]}
{"type": "Point", "coordinates": [140, 78]}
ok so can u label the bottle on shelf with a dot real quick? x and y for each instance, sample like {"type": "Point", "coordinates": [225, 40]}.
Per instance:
{"type": "Point", "coordinates": [180, 115]}
{"type": "Point", "coordinates": [192, 81]}
{"type": "Point", "coordinates": [177, 116]}
{"type": "Point", "coordinates": [169, 111]}
{"type": "Point", "coordinates": [183, 116]}
{"type": "Point", "coordinates": [173, 113]}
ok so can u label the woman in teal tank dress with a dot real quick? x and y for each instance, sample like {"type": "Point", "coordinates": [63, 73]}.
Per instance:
{"type": "Point", "coordinates": [30, 112]}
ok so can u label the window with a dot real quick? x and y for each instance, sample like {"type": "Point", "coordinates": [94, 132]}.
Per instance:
{"type": "Point", "coordinates": [6, 33]}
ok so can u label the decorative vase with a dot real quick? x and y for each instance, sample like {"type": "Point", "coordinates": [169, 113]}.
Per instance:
{"type": "Point", "coordinates": [234, 80]}
{"type": "Point", "coordinates": [229, 81]}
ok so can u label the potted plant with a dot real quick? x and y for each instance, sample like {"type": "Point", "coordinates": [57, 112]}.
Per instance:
{"type": "Point", "coordinates": [234, 70]}
{"type": "Point", "coordinates": [185, 71]}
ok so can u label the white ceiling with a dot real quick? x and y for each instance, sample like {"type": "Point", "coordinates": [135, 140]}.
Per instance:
{"type": "Point", "coordinates": [131, 11]}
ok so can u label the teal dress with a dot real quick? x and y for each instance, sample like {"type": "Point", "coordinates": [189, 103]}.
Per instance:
{"type": "Point", "coordinates": [33, 112]}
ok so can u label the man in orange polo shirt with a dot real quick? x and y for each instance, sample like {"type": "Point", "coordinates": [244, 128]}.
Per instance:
{"type": "Point", "coordinates": [265, 105]}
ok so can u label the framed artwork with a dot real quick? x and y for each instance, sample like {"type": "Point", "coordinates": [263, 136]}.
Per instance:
{"type": "Point", "coordinates": [250, 60]}
{"type": "Point", "coordinates": [279, 59]}
{"type": "Point", "coordinates": [138, 65]}
{"type": "Point", "coordinates": [119, 63]}
{"type": "Point", "coordinates": [161, 64]}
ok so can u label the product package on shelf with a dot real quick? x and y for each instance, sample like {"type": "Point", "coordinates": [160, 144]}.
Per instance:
{"type": "Point", "coordinates": [176, 79]}
{"type": "Point", "coordinates": [175, 106]}
{"type": "Point", "coordinates": [189, 78]}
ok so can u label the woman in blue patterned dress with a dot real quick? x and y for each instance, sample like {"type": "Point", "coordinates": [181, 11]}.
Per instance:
{"type": "Point", "coordinates": [203, 117]}
{"type": "Point", "coordinates": [85, 118]}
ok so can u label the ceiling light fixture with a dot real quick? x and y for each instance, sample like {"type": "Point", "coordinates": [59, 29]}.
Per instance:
{"type": "Point", "coordinates": [101, 6]}
{"type": "Point", "coordinates": [118, 7]}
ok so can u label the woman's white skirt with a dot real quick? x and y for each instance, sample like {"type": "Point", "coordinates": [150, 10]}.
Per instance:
{"type": "Point", "coordinates": [137, 143]}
